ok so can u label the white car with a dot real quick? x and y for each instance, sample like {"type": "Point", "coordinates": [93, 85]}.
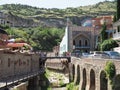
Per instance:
{"type": "Point", "coordinates": [99, 55]}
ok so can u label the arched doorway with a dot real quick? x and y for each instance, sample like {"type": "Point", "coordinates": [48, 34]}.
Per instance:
{"type": "Point", "coordinates": [73, 72]}
{"type": "Point", "coordinates": [92, 80]}
{"type": "Point", "coordinates": [117, 82]}
{"type": "Point", "coordinates": [103, 81]}
{"type": "Point", "coordinates": [84, 80]}
{"type": "Point", "coordinates": [78, 75]}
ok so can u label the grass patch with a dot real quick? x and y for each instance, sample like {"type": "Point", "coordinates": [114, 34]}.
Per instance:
{"type": "Point", "coordinates": [72, 86]}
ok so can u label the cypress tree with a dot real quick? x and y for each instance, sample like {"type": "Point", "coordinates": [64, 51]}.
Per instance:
{"type": "Point", "coordinates": [103, 33]}
{"type": "Point", "coordinates": [114, 18]}
{"type": "Point", "coordinates": [118, 9]}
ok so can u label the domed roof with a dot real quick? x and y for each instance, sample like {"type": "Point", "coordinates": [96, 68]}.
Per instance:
{"type": "Point", "coordinates": [87, 23]}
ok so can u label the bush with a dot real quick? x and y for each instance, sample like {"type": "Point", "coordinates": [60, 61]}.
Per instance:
{"type": "Point", "coordinates": [108, 45]}
{"type": "Point", "coordinates": [110, 69]}
{"type": "Point", "coordinates": [72, 86]}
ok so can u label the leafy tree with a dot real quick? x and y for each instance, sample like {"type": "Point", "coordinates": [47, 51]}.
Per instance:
{"type": "Point", "coordinates": [105, 43]}
{"type": "Point", "coordinates": [4, 26]}
{"type": "Point", "coordinates": [118, 9]}
{"type": "Point", "coordinates": [47, 38]}
{"type": "Point", "coordinates": [110, 71]}
{"type": "Point", "coordinates": [109, 44]}
{"type": "Point", "coordinates": [39, 38]}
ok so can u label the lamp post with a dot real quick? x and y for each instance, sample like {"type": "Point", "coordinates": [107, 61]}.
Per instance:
{"type": "Point", "coordinates": [6, 82]}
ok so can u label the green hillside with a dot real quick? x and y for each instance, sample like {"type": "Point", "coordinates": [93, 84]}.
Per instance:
{"type": "Point", "coordinates": [107, 7]}
{"type": "Point", "coordinates": [41, 37]}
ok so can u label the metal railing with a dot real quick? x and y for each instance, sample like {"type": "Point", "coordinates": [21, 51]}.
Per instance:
{"type": "Point", "coordinates": [10, 80]}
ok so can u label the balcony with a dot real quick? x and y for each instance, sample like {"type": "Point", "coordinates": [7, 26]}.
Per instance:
{"type": "Point", "coordinates": [82, 47]}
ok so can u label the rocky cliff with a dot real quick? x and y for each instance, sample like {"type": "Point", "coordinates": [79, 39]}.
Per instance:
{"type": "Point", "coordinates": [27, 16]}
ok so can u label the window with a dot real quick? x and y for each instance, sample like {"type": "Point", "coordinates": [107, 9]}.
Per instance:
{"type": "Point", "coordinates": [80, 43]}
{"type": "Point", "coordinates": [73, 42]}
{"type": "Point", "coordinates": [86, 43]}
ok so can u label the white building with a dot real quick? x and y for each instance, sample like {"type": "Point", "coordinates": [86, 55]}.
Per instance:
{"type": "Point", "coordinates": [116, 34]}
{"type": "Point", "coordinates": [64, 43]}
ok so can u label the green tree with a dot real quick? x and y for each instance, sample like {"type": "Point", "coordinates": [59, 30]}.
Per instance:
{"type": "Point", "coordinates": [110, 71]}
{"type": "Point", "coordinates": [109, 44]}
{"type": "Point", "coordinates": [105, 43]}
{"type": "Point", "coordinates": [118, 9]}
{"type": "Point", "coordinates": [103, 33]}
{"type": "Point", "coordinates": [103, 36]}
{"type": "Point", "coordinates": [115, 18]}
{"type": "Point", "coordinates": [47, 38]}
{"type": "Point", "coordinates": [40, 38]}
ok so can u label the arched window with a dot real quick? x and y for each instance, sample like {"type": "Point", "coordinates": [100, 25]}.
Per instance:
{"type": "Point", "coordinates": [73, 42]}
{"type": "Point", "coordinates": [80, 43]}
{"type": "Point", "coordinates": [86, 43]}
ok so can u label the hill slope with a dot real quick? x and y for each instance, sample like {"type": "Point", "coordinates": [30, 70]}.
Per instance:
{"type": "Point", "coordinates": [57, 17]}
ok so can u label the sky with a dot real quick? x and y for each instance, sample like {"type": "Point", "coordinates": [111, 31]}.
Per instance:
{"type": "Point", "coordinates": [52, 3]}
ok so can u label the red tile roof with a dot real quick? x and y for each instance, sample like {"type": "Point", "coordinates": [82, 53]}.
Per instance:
{"type": "Point", "coordinates": [15, 44]}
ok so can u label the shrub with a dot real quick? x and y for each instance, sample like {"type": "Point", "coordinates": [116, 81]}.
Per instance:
{"type": "Point", "coordinates": [72, 86]}
{"type": "Point", "coordinates": [110, 69]}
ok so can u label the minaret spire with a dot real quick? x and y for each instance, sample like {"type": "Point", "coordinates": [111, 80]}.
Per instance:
{"type": "Point", "coordinates": [69, 23]}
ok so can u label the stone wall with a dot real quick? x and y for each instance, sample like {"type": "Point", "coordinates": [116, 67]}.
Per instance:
{"type": "Point", "coordinates": [17, 63]}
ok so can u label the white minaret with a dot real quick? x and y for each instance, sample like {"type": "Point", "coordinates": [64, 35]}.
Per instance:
{"type": "Point", "coordinates": [69, 23]}
{"type": "Point", "coordinates": [64, 43]}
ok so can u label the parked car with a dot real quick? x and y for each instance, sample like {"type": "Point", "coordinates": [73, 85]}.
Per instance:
{"type": "Point", "coordinates": [85, 55]}
{"type": "Point", "coordinates": [99, 55]}
{"type": "Point", "coordinates": [113, 54]}
{"type": "Point", "coordinates": [76, 53]}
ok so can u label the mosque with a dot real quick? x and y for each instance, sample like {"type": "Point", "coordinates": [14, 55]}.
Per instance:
{"type": "Point", "coordinates": [82, 38]}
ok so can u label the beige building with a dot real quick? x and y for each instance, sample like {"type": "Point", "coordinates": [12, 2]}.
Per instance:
{"type": "Point", "coordinates": [81, 38]}
{"type": "Point", "coordinates": [78, 38]}
{"type": "Point", "coordinates": [84, 38]}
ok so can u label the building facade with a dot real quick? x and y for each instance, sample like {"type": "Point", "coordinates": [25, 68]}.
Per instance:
{"type": "Point", "coordinates": [78, 38]}
{"type": "Point", "coordinates": [84, 38]}
{"type": "Point", "coordinates": [99, 21]}
{"type": "Point", "coordinates": [116, 34]}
